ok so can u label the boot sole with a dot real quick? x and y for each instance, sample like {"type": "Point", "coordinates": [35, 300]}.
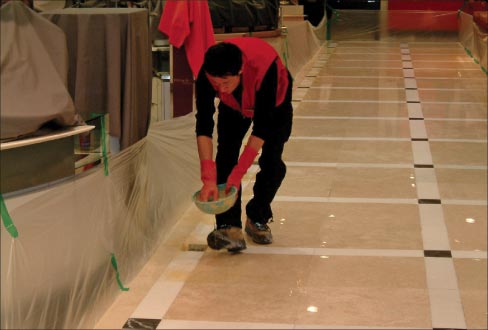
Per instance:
{"type": "Point", "coordinates": [218, 243]}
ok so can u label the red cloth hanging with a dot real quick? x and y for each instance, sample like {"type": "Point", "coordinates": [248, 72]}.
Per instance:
{"type": "Point", "coordinates": [188, 23]}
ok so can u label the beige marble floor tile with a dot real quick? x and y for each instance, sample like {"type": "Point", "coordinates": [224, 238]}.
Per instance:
{"type": "Point", "coordinates": [382, 152]}
{"type": "Point", "coordinates": [431, 73]}
{"type": "Point", "coordinates": [458, 153]}
{"type": "Point", "coordinates": [462, 184]}
{"type": "Point", "coordinates": [363, 307]}
{"type": "Point", "coordinates": [351, 109]}
{"type": "Point", "coordinates": [373, 82]}
{"type": "Point", "coordinates": [355, 72]}
{"type": "Point", "coordinates": [475, 306]}
{"type": "Point", "coordinates": [351, 128]}
{"type": "Point", "coordinates": [355, 94]}
{"type": "Point", "coordinates": [466, 226]}
{"type": "Point", "coordinates": [478, 84]}
{"type": "Point", "coordinates": [224, 268]}
{"type": "Point", "coordinates": [362, 63]}
{"type": "Point", "coordinates": [438, 129]}
{"type": "Point", "coordinates": [344, 55]}
{"type": "Point", "coordinates": [244, 302]}
{"type": "Point", "coordinates": [307, 151]}
{"type": "Point", "coordinates": [472, 278]}
{"type": "Point", "coordinates": [366, 291]}
{"type": "Point", "coordinates": [348, 182]}
{"type": "Point", "coordinates": [367, 272]}
{"type": "Point", "coordinates": [445, 64]}
{"type": "Point", "coordinates": [453, 96]}
{"type": "Point", "coordinates": [346, 226]}
{"type": "Point", "coordinates": [451, 110]}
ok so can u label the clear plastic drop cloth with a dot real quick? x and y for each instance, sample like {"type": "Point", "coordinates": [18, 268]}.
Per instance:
{"type": "Point", "coordinates": [81, 240]}
{"type": "Point", "coordinates": [474, 39]}
{"type": "Point", "coordinates": [297, 46]}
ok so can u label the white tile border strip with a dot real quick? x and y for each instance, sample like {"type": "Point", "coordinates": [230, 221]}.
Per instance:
{"type": "Point", "coordinates": [183, 324]}
{"type": "Point", "coordinates": [160, 297]}
{"type": "Point", "coordinates": [426, 183]}
{"type": "Point", "coordinates": [325, 252]}
{"type": "Point", "coordinates": [446, 309]}
{"type": "Point", "coordinates": [469, 254]}
{"type": "Point", "coordinates": [434, 232]}
{"type": "Point", "coordinates": [464, 202]}
{"type": "Point", "coordinates": [445, 301]}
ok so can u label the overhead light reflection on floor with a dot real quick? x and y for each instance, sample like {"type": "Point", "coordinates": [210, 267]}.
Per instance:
{"type": "Point", "coordinates": [312, 309]}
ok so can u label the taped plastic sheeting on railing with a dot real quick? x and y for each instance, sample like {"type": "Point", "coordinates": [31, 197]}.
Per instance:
{"type": "Point", "coordinates": [117, 274]}
{"type": "Point", "coordinates": [7, 220]}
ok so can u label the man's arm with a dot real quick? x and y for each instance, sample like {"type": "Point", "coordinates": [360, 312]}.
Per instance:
{"type": "Point", "coordinates": [205, 96]}
{"type": "Point", "coordinates": [205, 147]}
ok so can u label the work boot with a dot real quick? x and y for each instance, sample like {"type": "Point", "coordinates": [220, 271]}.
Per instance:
{"type": "Point", "coordinates": [259, 232]}
{"type": "Point", "coordinates": [230, 238]}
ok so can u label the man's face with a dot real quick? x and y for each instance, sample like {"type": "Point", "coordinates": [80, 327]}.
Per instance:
{"type": "Point", "coordinates": [225, 84]}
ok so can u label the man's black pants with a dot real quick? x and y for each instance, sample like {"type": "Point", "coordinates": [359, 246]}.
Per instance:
{"type": "Point", "coordinates": [232, 128]}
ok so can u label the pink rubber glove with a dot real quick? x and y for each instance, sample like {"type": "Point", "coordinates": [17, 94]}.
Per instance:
{"type": "Point", "coordinates": [245, 161]}
{"type": "Point", "coordinates": [208, 172]}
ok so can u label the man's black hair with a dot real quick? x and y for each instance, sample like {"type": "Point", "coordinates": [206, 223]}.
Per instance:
{"type": "Point", "coordinates": [223, 59]}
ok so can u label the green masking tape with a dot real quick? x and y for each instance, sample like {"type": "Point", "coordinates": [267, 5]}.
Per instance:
{"type": "Point", "coordinates": [104, 147]}
{"type": "Point", "coordinates": [7, 220]}
{"type": "Point", "coordinates": [335, 17]}
{"type": "Point", "coordinates": [462, 7]}
{"type": "Point", "coordinates": [117, 275]}
{"type": "Point", "coordinates": [476, 60]}
{"type": "Point", "coordinates": [103, 141]}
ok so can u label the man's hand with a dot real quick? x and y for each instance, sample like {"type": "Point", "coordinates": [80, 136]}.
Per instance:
{"type": "Point", "coordinates": [209, 192]}
{"type": "Point", "coordinates": [208, 172]}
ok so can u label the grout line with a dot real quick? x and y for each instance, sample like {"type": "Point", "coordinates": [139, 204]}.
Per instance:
{"type": "Point", "coordinates": [349, 118]}
{"type": "Point", "coordinates": [353, 101]}
{"type": "Point", "coordinates": [347, 165]}
{"type": "Point", "coordinates": [418, 163]}
{"type": "Point", "coordinates": [345, 138]}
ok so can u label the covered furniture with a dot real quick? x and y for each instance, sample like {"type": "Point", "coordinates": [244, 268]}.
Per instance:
{"type": "Point", "coordinates": [34, 66]}
{"type": "Point", "coordinates": [109, 66]}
